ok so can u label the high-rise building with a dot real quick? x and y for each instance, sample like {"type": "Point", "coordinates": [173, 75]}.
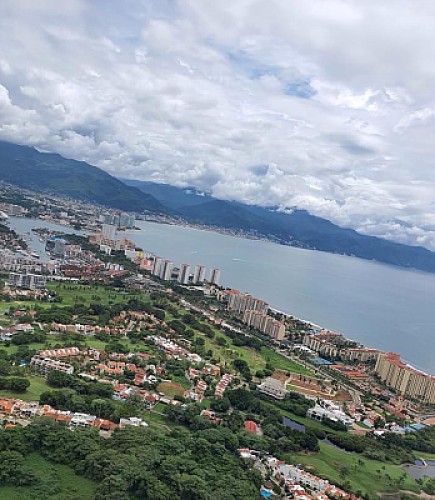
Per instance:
{"type": "Point", "coordinates": [215, 276]}
{"type": "Point", "coordinates": [59, 247]}
{"type": "Point", "coordinates": [243, 302]}
{"type": "Point", "coordinates": [405, 379]}
{"type": "Point", "coordinates": [157, 266]}
{"type": "Point", "coordinates": [127, 221]}
{"type": "Point", "coordinates": [265, 323]}
{"type": "Point", "coordinates": [166, 270]}
{"type": "Point", "coordinates": [274, 328]}
{"type": "Point", "coordinates": [183, 277]}
{"type": "Point", "coordinates": [199, 274]}
{"type": "Point", "coordinates": [109, 231]}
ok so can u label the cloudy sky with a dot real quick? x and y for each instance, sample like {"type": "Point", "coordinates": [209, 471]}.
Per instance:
{"type": "Point", "coordinates": [327, 105]}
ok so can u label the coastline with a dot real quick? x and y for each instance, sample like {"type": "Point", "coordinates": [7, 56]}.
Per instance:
{"type": "Point", "coordinates": [280, 309]}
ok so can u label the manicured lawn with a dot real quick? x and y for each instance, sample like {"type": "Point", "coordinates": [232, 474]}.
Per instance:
{"type": "Point", "coordinates": [280, 362]}
{"type": "Point", "coordinates": [55, 482]}
{"type": "Point", "coordinates": [368, 476]}
{"type": "Point", "coordinates": [37, 386]}
{"type": "Point", "coordinates": [11, 349]}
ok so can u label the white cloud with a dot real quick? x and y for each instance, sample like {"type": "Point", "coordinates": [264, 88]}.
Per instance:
{"type": "Point", "coordinates": [327, 105]}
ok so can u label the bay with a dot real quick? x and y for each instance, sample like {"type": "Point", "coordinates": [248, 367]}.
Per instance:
{"type": "Point", "coordinates": [382, 306]}
{"type": "Point", "coordinates": [379, 305]}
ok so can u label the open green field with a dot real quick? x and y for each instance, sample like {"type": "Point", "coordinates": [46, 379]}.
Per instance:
{"type": "Point", "coordinates": [37, 386]}
{"type": "Point", "coordinates": [280, 362]}
{"type": "Point", "coordinates": [368, 476]}
{"type": "Point", "coordinates": [12, 349]}
{"type": "Point", "coordinates": [85, 294]}
{"type": "Point", "coordinates": [255, 360]}
{"type": "Point", "coordinates": [56, 482]}
{"type": "Point", "coordinates": [92, 293]}
{"type": "Point", "coordinates": [171, 389]}
{"type": "Point", "coordinates": [230, 353]}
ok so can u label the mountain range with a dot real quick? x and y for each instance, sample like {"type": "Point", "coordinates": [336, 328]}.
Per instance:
{"type": "Point", "coordinates": [51, 173]}
{"type": "Point", "coordinates": [47, 172]}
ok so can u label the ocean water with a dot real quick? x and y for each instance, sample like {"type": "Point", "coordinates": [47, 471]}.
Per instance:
{"type": "Point", "coordinates": [379, 305]}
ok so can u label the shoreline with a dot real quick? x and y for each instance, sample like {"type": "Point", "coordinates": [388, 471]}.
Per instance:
{"type": "Point", "coordinates": [309, 323]}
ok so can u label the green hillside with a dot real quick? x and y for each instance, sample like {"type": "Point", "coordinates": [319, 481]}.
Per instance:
{"type": "Point", "coordinates": [28, 168]}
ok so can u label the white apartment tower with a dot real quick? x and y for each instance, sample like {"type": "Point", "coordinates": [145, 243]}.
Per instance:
{"type": "Point", "coordinates": [183, 277]}
{"type": "Point", "coordinates": [157, 265]}
{"type": "Point", "coordinates": [166, 270]}
{"type": "Point", "coordinates": [215, 276]}
{"type": "Point", "coordinates": [109, 231]}
{"type": "Point", "coordinates": [199, 274]}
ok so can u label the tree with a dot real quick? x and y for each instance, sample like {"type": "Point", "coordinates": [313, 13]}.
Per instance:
{"type": "Point", "coordinates": [220, 405]}
{"type": "Point", "coordinates": [16, 384]}
{"type": "Point", "coordinates": [59, 379]}
{"type": "Point", "coordinates": [5, 367]}
{"type": "Point", "coordinates": [112, 488]}
{"type": "Point", "coordinates": [221, 341]}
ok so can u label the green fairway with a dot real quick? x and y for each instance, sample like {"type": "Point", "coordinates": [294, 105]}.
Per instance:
{"type": "Point", "coordinates": [55, 482]}
{"type": "Point", "coordinates": [34, 346]}
{"type": "Point", "coordinates": [229, 353]}
{"type": "Point", "coordinates": [37, 386]}
{"type": "Point", "coordinates": [92, 293]}
{"type": "Point", "coordinates": [280, 362]}
{"type": "Point", "coordinates": [367, 476]}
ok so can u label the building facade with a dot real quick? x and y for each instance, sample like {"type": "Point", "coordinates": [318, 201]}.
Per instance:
{"type": "Point", "coordinates": [405, 379]}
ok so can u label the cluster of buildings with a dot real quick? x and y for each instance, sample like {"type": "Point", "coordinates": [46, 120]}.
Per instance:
{"type": "Point", "coordinates": [241, 302]}
{"type": "Point", "coordinates": [107, 241]}
{"type": "Point", "coordinates": [28, 281]}
{"type": "Point", "coordinates": [16, 411]}
{"type": "Point", "coordinates": [295, 482]}
{"type": "Point", "coordinates": [335, 346]}
{"type": "Point", "coordinates": [120, 220]}
{"type": "Point", "coordinates": [173, 350]}
{"type": "Point", "coordinates": [254, 313]}
{"type": "Point", "coordinates": [331, 411]}
{"type": "Point", "coordinates": [65, 211]}
{"type": "Point", "coordinates": [165, 270]}
{"type": "Point", "coordinates": [11, 209]}
{"type": "Point", "coordinates": [7, 332]}
{"type": "Point", "coordinates": [389, 368]}
{"type": "Point", "coordinates": [223, 383]}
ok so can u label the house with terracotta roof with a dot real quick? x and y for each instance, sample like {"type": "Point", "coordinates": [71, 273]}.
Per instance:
{"type": "Point", "coordinates": [251, 426]}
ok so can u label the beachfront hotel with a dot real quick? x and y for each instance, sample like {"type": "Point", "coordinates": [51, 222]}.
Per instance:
{"type": "Point", "coordinates": [405, 379]}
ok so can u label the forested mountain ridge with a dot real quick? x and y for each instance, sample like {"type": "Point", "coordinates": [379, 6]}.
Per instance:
{"type": "Point", "coordinates": [28, 168]}
{"type": "Point", "coordinates": [297, 228]}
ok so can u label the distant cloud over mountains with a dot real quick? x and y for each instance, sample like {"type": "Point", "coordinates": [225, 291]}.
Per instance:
{"type": "Point", "coordinates": [327, 105]}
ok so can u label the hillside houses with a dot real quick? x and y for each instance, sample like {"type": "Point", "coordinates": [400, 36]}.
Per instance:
{"type": "Point", "coordinates": [295, 480]}
{"type": "Point", "coordinates": [18, 411]}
